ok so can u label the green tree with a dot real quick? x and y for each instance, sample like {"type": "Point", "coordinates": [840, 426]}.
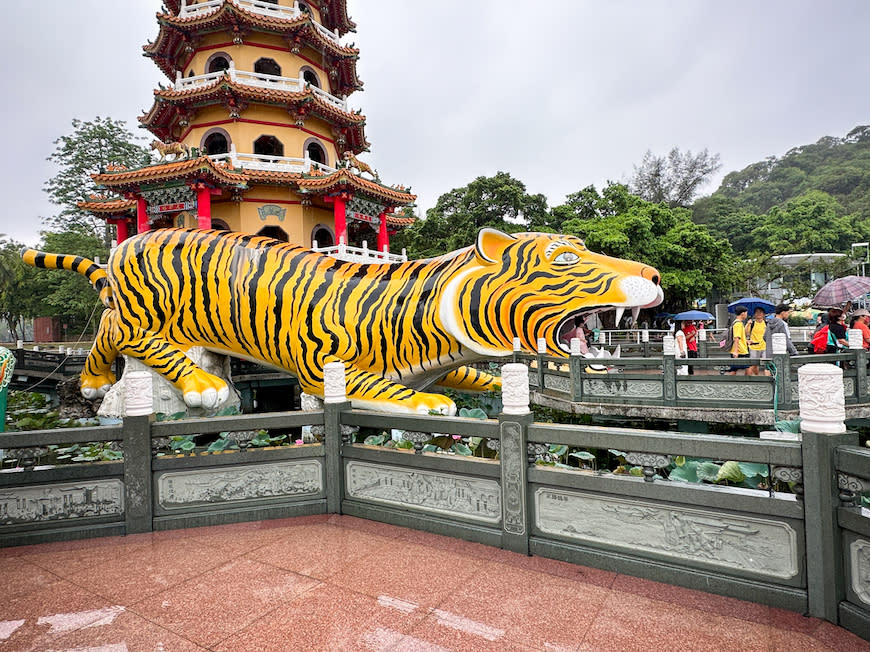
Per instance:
{"type": "Point", "coordinates": [65, 294]}
{"type": "Point", "coordinates": [692, 261]}
{"type": "Point", "coordinates": [19, 293]}
{"type": "Point", "coordinates": [499, 202]}
{"type": "Point", "coordinates": [674, 179]}
{"type": "Point", "coordinates": [90, 148]}
{"type": "Point", "coordinates": [838, 166]}
{"type": "Point", "coordinates": [814, 222]}
{"type": "Point", "coordinates": [725, 218]}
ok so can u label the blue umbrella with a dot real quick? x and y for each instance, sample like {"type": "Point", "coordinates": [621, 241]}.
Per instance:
{"type": "Point", "coordinates": [693, 315]}
{"type": "Point", "coordinates": [752, 303]}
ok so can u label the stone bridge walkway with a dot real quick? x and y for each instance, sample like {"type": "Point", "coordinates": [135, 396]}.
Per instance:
{"type": "Point", "coordinates": [341, 583]}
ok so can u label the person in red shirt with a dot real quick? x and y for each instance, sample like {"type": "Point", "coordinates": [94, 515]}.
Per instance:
{"type": "Point", "coordinates": [691, 333]}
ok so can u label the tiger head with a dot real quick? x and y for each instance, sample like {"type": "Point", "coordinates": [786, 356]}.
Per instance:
{"type": "Point", "coordinates": [533, 285]}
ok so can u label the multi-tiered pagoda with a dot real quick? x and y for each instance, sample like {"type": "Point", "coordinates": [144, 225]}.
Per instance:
{"type": "Point", "coordinates": [264, 139]}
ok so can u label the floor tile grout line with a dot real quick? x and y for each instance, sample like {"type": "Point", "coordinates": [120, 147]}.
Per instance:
{"type": "Point", "coordinates": [268, 613]}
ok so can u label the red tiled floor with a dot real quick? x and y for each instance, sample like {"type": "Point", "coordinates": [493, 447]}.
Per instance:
{"type": "Point", "coordinates": [342, 583]}
{"type": "Point", "coordinates": [417, 574]}
{"type": "Point", "coordinates": [222, 601]}
{"type": "Point", "coordinates": [326, 618]}
{"type": "Point", "coordinates": [320, 551]}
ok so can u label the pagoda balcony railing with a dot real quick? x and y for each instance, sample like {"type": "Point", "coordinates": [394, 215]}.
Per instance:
{"type": "Point", "coordinates": [362, 254]}
{"type": "Point", "coordinates": [192, 8]}
{"type": "Point", "coordinates": [270, 162]}
{"type": "Point", "coordinates": [259, 80]}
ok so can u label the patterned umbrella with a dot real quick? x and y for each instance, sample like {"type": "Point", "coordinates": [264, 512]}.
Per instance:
{"type": "Point", "coordinates": [841, 290]}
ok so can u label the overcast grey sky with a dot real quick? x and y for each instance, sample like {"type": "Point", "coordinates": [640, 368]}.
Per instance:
{"type": "Point", "coordinates": [560, 94]}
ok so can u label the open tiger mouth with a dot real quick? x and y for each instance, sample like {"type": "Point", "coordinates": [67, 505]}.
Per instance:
{"type": "Point", "coordinates": [565, 329]}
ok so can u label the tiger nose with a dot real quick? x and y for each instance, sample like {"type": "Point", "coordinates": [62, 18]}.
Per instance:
{"type": "Point", "coordinates": [651, 274]}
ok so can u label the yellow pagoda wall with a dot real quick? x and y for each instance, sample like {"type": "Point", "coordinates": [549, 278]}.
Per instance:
{"type": "Point", "coordinates": [243, 134]}
{"type": "Point", "coordinates": [245, 56]}
{"type": "Point", "coordinates": [298, 221]}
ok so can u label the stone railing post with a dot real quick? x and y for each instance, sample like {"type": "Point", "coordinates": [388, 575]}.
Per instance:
{"type": "Point", "coordinates": [334, 403]}
{"type": "Point", "coordinates": [703, 344]}
{"type": "Point", "coordinates": [542, 351]}
{"type": "Point", "coordinates": [575, 366]}
{"type": "Point", "coordinates": [644, 339]}
{"type": "Point", "coordinates": [823, 429]}
{"type": "Point", "coordinates": [856, 348]}
{"type": "Point", "coordinates": [669, 370]}
{"type": "Point", "coordinates": [514, 422]}
{"type": "Point", "coordinates": [783, 369]}
{"type": "Point", "coordinates": [138, 485]}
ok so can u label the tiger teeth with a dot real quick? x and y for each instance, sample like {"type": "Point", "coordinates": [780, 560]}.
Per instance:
{"type": "Point", "coordinates": [635, 312]}
{"type": "Point", "coordinates": [619, 313]}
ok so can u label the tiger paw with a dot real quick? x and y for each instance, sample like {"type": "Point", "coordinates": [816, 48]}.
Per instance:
{"type": "Point", "coordinates": [202, 389]}
{"type": "Point", "coordinates": [433, 403]}
{"type": "Point", "coordinates": [96, 386]}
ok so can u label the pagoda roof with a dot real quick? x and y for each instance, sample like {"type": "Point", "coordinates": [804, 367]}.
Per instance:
{"type": "Point", "coordinates": [107, 205]}
{"type": "Point", "coordinates": [343, 179]}
{"type": "Point", "coordinates": [315, 184]}
{"type": "Point", "coordinates": [164, 111]}
{"type": "Point", "coordinates": [202, 167]}
{"type": "Point", "coordinates": [333, 13]}
{"type": "Point", "coordinates": [178, 34]}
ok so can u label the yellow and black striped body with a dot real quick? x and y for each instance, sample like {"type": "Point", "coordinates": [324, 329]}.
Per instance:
{"type": "Point", "coordinates": [398, 328]}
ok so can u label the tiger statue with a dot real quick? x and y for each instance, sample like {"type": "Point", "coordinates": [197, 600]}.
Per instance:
{"type": "Point", "coordinates": [398, 328]}
{"type": "Point", "coordinates": [176, 149]}
{"type": "Point", "coordinates": [353, 162]}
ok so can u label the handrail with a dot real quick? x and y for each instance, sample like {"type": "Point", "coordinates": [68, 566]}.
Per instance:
{"type": "Point", "coordinates": [258, 80]}
{"type": "Point", "coordinates": [271, 162]}
{"type": "Point", "coordinates": [257, 7]}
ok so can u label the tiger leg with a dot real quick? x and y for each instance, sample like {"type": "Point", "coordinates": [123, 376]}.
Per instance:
{"type": "Point", "coordinates": [97, 376]}
{"type": "Point", "coordinates": [367, 390]}
{"type": "Point", "coordinates": [469, 379]}
{"type": "Point", "coordinates": [198, 387]}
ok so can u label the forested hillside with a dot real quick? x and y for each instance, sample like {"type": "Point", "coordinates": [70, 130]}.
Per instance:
{"type": "Point", "coordinates": [815, 198]}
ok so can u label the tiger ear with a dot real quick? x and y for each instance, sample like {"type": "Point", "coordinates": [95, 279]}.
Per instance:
{"type": "Point", "coordinates": [491, 244]}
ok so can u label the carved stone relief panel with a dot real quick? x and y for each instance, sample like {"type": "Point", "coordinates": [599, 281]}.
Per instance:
{"type": "Point", "coordinates": [559, 383]}
{"type": "Point", "coordinates": [428, 491]}
{"type": "Point", "coordinates": [860, 557]}
{"type": "Point", "coordinates": [56, 502]}
{"type": "Point", "coordinates": [178, 489]}
{"type": "Point", "coordinates": [623, 387]}
{"type": "Point", "coordinates": [704, 391]}
{"type": "Point", "coordinates": [763, 547]}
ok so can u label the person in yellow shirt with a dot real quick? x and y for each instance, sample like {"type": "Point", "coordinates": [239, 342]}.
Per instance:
{"type": "Point", "coordinates": [755, 336]}
{"type": "Point", "coordinates": [739, 348]}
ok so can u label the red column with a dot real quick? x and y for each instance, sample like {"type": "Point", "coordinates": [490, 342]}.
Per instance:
{"type": "Point", "coordinates": [121, 225]}
{"type": "Point", "coordinates": [142, 216]}
{"type": "Point", "coordinates": [203, 207]}
{"type": "Point", "coordinates": [383, 236]}
{"type": "Point", "coordinates": [340, 220]}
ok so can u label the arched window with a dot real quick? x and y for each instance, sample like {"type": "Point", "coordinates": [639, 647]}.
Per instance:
{"type": "Point", "coordinates": [266, 66]}
{"type": "Point", "coordinates": [219, 225]}
{"type": "Point", "coordinates": [310, 77]}
{"type": "Point", "coordinates": [323, 236]}
{"type": "Point", "coordinates": [190, 74]}
{"type": "Point", "coordinates": [217, 62]}
{"type": "Point", "coordinates": [216, 142]}
{"type": "Point", "coordinates": [315, 152]}
{"type": "Point", "coordinates": [268, 146]}
{"type": "Point", "coordinates": [275, 232]}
